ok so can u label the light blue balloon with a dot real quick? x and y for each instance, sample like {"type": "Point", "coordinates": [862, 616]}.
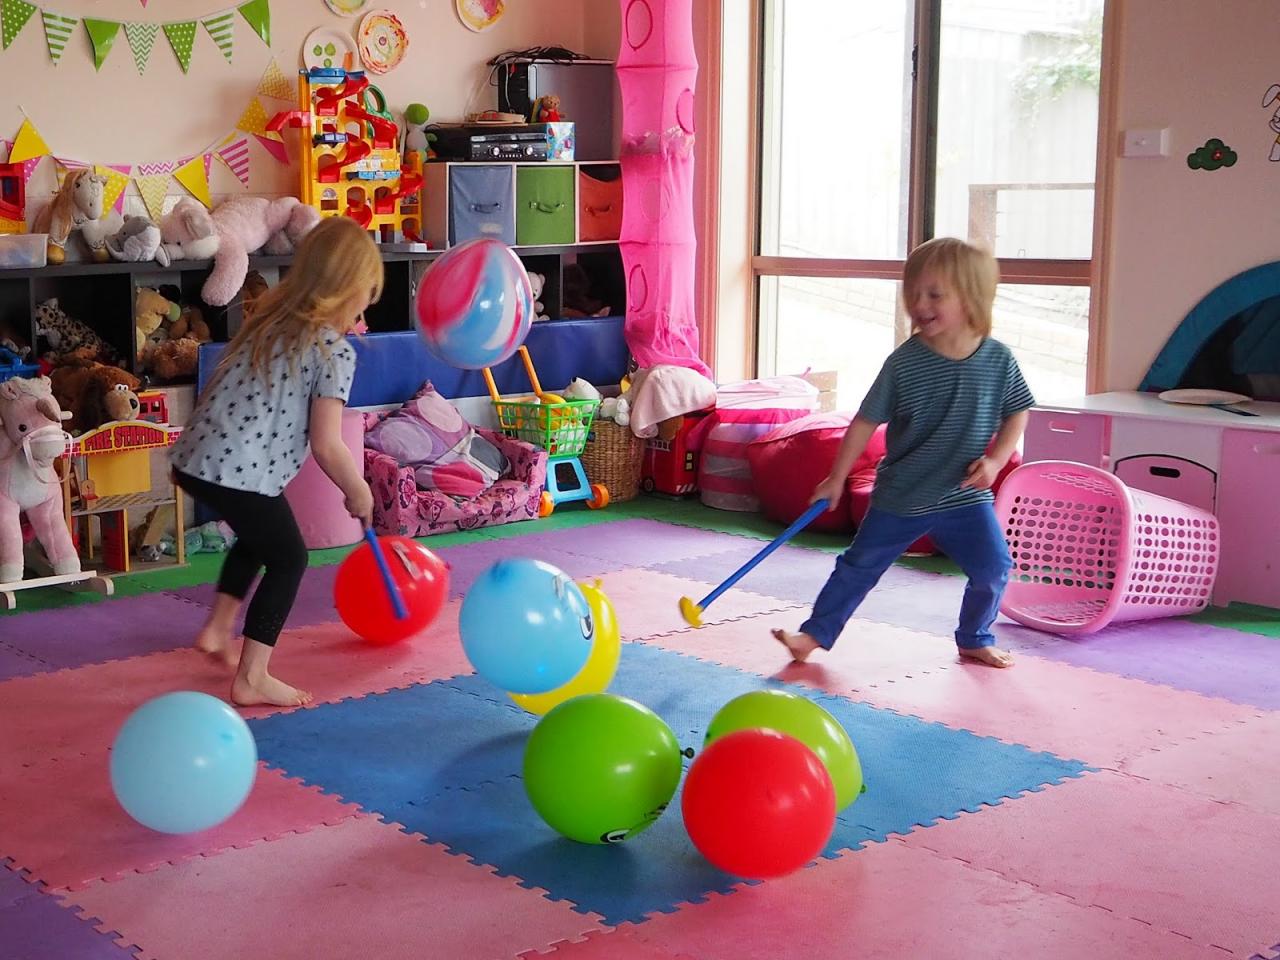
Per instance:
{"type": "Point", "coordinates": [526, 627]}
{"type": "Point", "coordinates": [183, 762]}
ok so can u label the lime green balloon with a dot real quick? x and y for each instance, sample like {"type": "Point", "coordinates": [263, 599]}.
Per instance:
{"type": "Point", "coordinates": [601, 768]}
{"type": "Point", "coordinates": [803, 719]}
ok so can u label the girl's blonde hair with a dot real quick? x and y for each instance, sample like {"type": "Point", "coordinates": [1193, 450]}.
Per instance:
{"type": "Point", "coordinates": [336, 263]}
{"type": "Point", "coordinates": [971, 271]}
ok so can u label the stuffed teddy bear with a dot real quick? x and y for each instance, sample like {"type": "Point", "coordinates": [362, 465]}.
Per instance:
{"type": "Point", "coordinates": [137, 241]}
{"type": "Point", "coordinates": [238, 228]}
{"type": "Point", "coordinates": [94, 394]}
{"type": "Point", "coordinates": [539, 283]}
{"type": "Point", "coordinates": [151, 312]}
{"type": "Point", "coordinates": [174, 359]}
{"type": "Point", "coordinates": [546, 110]}
{"type": "Point", "coordinates": [190, 325]}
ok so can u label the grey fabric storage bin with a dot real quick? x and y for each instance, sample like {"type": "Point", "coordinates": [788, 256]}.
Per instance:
{"type": "Point", "coordinates": [481, 199]}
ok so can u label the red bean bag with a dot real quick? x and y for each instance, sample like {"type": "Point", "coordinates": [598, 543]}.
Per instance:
{"type": "Point", "coordinates": [861, 482]}
{"type": "Point", "coordinates": [789, 461]}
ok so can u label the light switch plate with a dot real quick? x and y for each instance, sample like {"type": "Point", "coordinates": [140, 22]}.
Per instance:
{"type": "Point", "coordinates": [1146, 142]}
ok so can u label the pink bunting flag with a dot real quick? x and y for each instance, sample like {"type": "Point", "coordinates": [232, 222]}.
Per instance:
{"type": "Point", "coordinates": [236, 156]}
{"type": "Point", "coordinates": [29, 167]}
{"type": "Point", "coordinates": [274, 147]}
{"type": "Point", "coordinates": [155, 169]}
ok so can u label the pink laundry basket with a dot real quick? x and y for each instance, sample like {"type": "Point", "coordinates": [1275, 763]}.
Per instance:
{"type": "Point", "coordinates": [1088, 550]}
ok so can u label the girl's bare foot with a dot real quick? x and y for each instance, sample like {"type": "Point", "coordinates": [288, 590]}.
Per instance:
{"type": "Point", "coordinates": [799, 645]}
{"type": "Point", "coordinates": [991, 656]}
{"type": "Point", "coordinates": [266, 689]}
{"type": "Point", "coordinates": [218, 644]}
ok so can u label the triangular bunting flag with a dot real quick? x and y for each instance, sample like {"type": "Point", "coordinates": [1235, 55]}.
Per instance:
{"type": "Point", "coordinates": [274, 147]}
{"type": "Point", "coordinates": [235, 154]}
{"type": "Point", "coordinates": [28, 144]}
{"type": "Point", "coordinates": [142, 36]}
{"type": "Point", "coordinates": [16, 13]}
{"type": "Point", "coordinates": [194, 176]}
{"type": "Point", "coordinates": [154, 189]}
{"type": "Point", "coordinates": [29, 167]}
{"type": "Point", "coordinates": [221, 27]}
{"type": "Point", "coordinates": [113, 192]}
{"type": "Point", "coordinates": [254, 118]}
{"type": "Point", "coordinates": [103, 34]}
{"type": "Point", "coordinates": [258, 14]}
{"type": "Point", "coordinates": [154, 169]}
{"type": "Point", "coordinates": [208, 163]}
{"type": "Point", "coordinates": [181, 36]}
{"type": "Point", "coordinates": [57, 31]}
{"type": "Point", "coordinates": [274, 84]}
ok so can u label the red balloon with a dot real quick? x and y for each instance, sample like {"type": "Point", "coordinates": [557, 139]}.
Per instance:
{"type": "Point", "coordinates": [361, 596]}
{"type": "Point", "coordinates": [759, 804]}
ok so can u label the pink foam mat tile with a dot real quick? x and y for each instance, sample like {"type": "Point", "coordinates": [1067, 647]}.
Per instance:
{"type": "Point", "coordinates": [1238, 765]}
{"type": "Point", "coordinates": [1075, 712]}
{"type": "Point", "coordinates": [647, 603]}
{"type": "Point", "coordinates": [610, 945]}
{"type": "Point", "coordinates": [67, 829]}
{"type": "Point", "coordinates": [1181, 863]}
{"type": "Point", "coordinates": [362, 888]}
{"type": "Point", "coordinates": [77, 712]}
{"type": "Point", "coordinates": [890, 901]}
{"type": "Point", "coordinates": [867, 654]}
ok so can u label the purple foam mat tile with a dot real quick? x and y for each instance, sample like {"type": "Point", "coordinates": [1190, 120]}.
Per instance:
{"type": "Point", "coordinates": [1214, 661]}
{"type": "Point", "coordinates": [790, 573]}
{"type": "Point", "coordinates": [15, 663]}
{"type": "Point", "coordinates": [467, 563]}
{"type": "Point", "coordinates": [95, 633]}
{"type": "Point", "coordinates": [643, 543]}
{"type": "Point", "coordinates": [313, 606]}
{"type": "Point", "coordinates": [35, 926]}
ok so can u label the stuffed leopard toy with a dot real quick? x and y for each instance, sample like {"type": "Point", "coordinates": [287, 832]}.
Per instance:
{"type": "Point", "coordinates": [63, 335]}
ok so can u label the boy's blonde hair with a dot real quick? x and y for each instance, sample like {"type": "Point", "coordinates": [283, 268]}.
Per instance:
{"type": "Point", "coordinates": [336, 262]}
{"type": "Point", "coordinates": [971, 271]}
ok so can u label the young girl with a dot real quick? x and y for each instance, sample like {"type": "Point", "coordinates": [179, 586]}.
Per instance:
{"type": "Point", "coordinates": [944, 394]}
{"type": "Point", "coordinates": [283, 381]}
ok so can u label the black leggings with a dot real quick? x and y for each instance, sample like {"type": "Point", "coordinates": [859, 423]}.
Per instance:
{"type": "Point", "coordinates": [267, 535]}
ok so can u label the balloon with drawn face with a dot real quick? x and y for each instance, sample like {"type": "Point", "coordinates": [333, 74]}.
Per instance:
{"type": "Point", "coordinates": [601, 768]}
{"type": "Point", "coordinates": [597, 673]}
{"type": "Point", "coordinates": [525, 626]}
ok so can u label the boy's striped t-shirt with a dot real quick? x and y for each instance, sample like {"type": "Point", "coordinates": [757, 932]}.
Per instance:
{"type": "Point", "coordinates": [941, 416]}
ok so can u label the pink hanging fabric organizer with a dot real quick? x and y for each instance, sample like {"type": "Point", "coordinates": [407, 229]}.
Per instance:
{"type": "Point", "coordinates": [657, 70]}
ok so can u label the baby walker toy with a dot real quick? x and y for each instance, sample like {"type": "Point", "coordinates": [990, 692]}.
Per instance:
{"type": "Point", "coordinates": [560, 427]}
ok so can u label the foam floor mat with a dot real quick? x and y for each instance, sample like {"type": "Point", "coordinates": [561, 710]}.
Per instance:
{"type": "Point", "coordinates": [36, 926]}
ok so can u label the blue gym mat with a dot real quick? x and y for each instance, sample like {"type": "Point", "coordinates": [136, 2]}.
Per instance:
{"type": "Point", "coordinates": [444, 760]}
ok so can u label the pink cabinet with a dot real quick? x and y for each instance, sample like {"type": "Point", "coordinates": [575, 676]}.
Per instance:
{"type": "Point", "coordinates": [1249, 514]}
{"type": "Point", "coordinates": [1174, 477]}
{"type": "Point", "coordinates": [1061, 435]}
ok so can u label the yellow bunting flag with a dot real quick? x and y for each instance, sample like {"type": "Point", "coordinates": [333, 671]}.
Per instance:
{"type": "Point", "coordinates": [274, 84]}
{"type": "Point", "coordinates": [29, 144]}
{"type": "Point", "coordinates": [117, 180]}
{"type": "Point", "coordinates": [194, 176]}
{"type": "Point", "coordinates": [254, 120]}
{"type": "Point", "coordinates": [154, 189]}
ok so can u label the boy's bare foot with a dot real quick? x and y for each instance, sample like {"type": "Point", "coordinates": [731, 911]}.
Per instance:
{"type": "Point", "coordinates": [218, 644]}
{"type": "Point", "coordinates": [799, 645]}
{"type": "Point", "coordinates": [991, 656]}
{"type": "Point", "coordinates": [266, 689]}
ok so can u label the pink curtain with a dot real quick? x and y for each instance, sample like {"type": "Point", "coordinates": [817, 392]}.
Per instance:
{"type": "Point", "coordinates": [657, 71]}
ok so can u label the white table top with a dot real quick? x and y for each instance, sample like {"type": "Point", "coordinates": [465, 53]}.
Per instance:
{"type": "Point", "coordinates": [1148, 405]}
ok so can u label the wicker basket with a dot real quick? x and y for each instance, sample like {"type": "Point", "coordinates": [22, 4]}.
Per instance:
{"type": "Point", "coordinates": [613, 457]}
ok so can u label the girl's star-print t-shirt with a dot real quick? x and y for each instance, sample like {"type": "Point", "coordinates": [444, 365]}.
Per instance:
{"type": "Point", "coordinates": [251, 431]}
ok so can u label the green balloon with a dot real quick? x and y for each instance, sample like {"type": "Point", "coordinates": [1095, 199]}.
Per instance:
{"type": "Point", "coordinates": [803, 719]}
{"type": "Point", "coordinates": [601, 768]}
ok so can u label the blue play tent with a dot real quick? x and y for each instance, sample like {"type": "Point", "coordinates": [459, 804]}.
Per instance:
{"type": "Point", "coordinates": [1229, 341]}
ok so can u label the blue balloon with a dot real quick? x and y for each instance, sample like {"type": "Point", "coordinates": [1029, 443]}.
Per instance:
{"type": "Point", "coordinates": [183, 762]}
{"type": "Point", "coordinates": [525, 626]}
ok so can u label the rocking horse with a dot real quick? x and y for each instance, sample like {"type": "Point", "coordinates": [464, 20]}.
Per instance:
{"type": "Point", "coordinates": [78, 205]}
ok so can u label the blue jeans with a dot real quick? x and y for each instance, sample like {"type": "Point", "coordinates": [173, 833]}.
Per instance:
{"type": "Point", "coordinates": [970, 536]}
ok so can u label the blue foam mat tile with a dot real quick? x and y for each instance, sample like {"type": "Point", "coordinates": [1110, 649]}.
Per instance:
{"type": "Point", "coordinates": [494, 824]}
{"type": "Point", "coordinates": [385, 749]}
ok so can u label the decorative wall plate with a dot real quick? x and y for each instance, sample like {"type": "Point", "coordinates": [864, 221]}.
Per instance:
{"type": "Point", "coordinates": [382, 41]}
{"type": "Point", "coordinates": [328, 48]}
{"type": "Point", "coordinates": [480, 15]}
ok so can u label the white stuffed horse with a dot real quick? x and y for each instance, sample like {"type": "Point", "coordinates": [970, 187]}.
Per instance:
{"type": "Point", "coordinates": [31, 438]}
{"type": "Point", "coordinates": [77, 206]}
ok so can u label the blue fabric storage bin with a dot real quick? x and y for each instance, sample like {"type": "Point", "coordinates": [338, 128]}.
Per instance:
{"type": "Point", "coordinates": [481, 203]}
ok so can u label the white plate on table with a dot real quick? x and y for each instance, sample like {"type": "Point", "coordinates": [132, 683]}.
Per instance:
{"type": "Point", "coordinates": [1204, 398]}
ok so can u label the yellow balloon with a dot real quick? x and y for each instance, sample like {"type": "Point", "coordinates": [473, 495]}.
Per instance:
{"type": "Point", "coordinates": [597, 673]}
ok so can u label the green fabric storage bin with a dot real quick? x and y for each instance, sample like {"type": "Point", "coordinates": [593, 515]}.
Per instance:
{"type": "Point", "coordinates": [544, 206]}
